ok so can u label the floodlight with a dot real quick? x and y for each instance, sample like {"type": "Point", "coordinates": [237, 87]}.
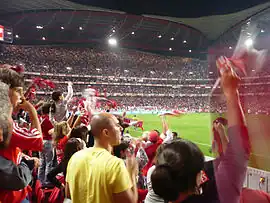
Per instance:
{"type": "Point", "coordinates": [112, 42]}
{"type": "Point", "coordinates": [249, 42]}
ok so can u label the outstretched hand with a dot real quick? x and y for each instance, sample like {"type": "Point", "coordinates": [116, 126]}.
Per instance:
{"type": "Point", "coordinates": [229, 79]}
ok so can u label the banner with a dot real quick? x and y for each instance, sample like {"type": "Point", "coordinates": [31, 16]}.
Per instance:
{"type": "Point", "coordinates": [1, 33]}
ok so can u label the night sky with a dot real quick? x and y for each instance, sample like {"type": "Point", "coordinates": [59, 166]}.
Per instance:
{"type": "Point", "coordinates": [175, 8]}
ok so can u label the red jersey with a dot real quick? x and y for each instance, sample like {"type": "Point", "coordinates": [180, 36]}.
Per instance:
{"type": "Point", "coordinates": [151, 153]}
{"type": "Point", "coordinates": [46, 125]}
{"type": "Point", "coordinates": [22, 139]}
{"type": "Point", "coordinates": [60, 147]}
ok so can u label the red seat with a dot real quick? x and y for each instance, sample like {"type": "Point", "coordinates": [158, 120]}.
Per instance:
{"type": "Point", "coordinates": [39, 192]}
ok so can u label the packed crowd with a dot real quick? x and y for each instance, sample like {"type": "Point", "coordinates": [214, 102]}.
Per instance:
{"type": "Point", "coordinates": [98, 62]}
{"type": "Point", "coordinates": [91, 158]}
{"type": "Point", "coordinates": [116, 73]}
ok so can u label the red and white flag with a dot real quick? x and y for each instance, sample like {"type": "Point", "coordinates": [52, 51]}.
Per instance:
{"type": "Point", "coordinates": [176, 113]}
{"type": "Point", "coordinates": [1, 33]}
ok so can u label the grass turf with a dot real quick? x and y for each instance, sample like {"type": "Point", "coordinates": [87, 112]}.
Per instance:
{"type": "Point", "coordinates": [194, 127]}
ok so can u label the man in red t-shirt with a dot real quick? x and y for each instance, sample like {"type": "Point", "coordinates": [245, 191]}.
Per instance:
{"type": "Point", "coordinates": [150, 150]}
{"type": "Point", "coordinates": [46, 156]}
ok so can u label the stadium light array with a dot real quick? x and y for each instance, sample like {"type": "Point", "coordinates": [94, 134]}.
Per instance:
{"type": "Point", "coordinates": [16, 36]}
{"type": "Point", "coordinates": [39, 27]}
{"type": "Point", "coordinates": [249, 42]}
{"type": "Point", "coordinates": [112, 42]}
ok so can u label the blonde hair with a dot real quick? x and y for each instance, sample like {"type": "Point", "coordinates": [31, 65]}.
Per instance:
{"type": "Point", "coordinates": [61, 130]}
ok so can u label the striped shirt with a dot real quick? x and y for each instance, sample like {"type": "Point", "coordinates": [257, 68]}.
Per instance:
{"type": "Point", "coordinates": [22, 139]}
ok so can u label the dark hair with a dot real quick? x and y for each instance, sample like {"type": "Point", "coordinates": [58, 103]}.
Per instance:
{"type": "Point", "coordinates": [79, 132]}
{"type": "Point", "coordinates": [175, 134]}
{"type": "Point", "coordinates": [46, 108]}
{"type": "Point", "coordinates": [11, 77]}
{"type": "Point", "coordinates": [159, 150]}
{"type": "Point", "coordinates": [121, 147]}
{"type": "Point", "coordinates": [56, 96]}
{"type": "Point", "coordinates": [177, 166]}
{"type": "Point", "coordinates": [221, 120]}
{"type": "Point", "coordinates": [91, 140]}
{"type": "Point", "coordinates": [72, 146]}
{"type": "Point", "coordinates": [157, 132]}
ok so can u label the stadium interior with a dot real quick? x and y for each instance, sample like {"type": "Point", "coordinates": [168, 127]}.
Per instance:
{"type": "Point", "coordinates": [147, 63]}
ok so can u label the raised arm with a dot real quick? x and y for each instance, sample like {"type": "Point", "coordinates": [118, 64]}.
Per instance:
{"type": "Point", "coordinates": [70, 93]}
{"type": "Point", "coordinates": [230, 173]}
{"type": "Point", "coordinates": [28, 107]}
{"type": "Point", "coordinates": [164, 124]}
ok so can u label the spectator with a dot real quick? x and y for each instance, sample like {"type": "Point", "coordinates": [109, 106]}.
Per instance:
{"type": "Point", "coordinates": [61, 136]}
{"type": "Point", "coordinates": [86, 183]}
{"type": "Point", "coordinates": [179, 165]}
{"type": "Point", "coordinates": [79, 132]}
{"type": "Point", "coordinates": [47, 154]}
{"type": "Point", "coordinates": [175, 135]}
{"type": "Point", "coordinates": [72, 146]}
{"type": "Point", "coordinates": [155, 141]}
{"type": "Point", "coordinates": [151, 196]}
{"type": "Point", "coordinates": [61, 103]}
{"type": "Point", "coordinates": [120, 150]}
{"type": "Point", "coordinates": [22, 138]}
{"type": "Point", "coordinates": [12, 177]}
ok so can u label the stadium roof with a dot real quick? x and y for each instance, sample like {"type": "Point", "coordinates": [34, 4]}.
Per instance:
{"type": "Point", "coordinates": [66, 22]}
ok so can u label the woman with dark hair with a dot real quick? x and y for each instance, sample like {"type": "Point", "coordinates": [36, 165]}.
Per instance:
{"type": "Point", "coordinates": [72, 146]}
{"type": "Point", "coordinates": [80, 132]}
{"type": "Point", "coordinates": [60, 103]}
{"type": "Point", "coordinates": [179, 177]}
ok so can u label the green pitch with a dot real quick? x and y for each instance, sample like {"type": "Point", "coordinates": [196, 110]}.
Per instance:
{"type": "Point", "coordinates": [194, 127]}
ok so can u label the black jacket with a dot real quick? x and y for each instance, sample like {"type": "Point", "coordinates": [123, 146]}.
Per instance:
{"type": "Point", "coordinates": [15, 177]}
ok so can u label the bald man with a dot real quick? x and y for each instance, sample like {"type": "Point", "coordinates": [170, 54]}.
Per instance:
{"type": "Point", "coordinates": [95, 175]}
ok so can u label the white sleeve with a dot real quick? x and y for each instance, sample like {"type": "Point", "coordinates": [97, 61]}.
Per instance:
{"type": "Point", "coordinates": [169, 137]}
{"type": "Point", "coordinates": [69, 94]}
